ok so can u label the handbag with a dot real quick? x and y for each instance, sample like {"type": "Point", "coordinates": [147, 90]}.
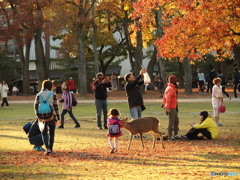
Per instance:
{"type": "Point", "coordinates": [222, 109]}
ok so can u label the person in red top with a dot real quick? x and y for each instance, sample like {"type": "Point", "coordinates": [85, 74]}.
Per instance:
{"type": "Point", "coordinates": [114, 120]}
{"type": "Point", "coordinates": [71, 85]}
{"type": "Point", "coordinates": [170, 104]}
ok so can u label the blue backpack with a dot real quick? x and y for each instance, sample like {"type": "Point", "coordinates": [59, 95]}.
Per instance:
{"type": "Point", "coordinates": [45, 110]}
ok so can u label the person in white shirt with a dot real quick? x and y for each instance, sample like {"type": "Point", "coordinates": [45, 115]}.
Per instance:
{"type": "Point", "coordinates": [201, 80]}
{"type": "Point", "coordinates": [217, 99]}
{"type": "Point", "coordinates": [4, 93]}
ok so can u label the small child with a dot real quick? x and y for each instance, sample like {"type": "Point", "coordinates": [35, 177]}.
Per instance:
{"type": "Point", "coordinates": [114, 121]}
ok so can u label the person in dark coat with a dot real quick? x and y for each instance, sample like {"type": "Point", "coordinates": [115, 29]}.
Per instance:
{"type": "Point", "coordinates": [134, 96]}
{"type": "Point", "coordinates": [223, 83]}
{"type": "Point", "coordinates": [34, 135]}
{"type": "Point", "coordinates": [99, 87]}
{"type": "Point", "coordinates": [236, 80]}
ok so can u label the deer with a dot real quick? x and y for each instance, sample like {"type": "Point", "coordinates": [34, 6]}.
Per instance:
{"type": "Point", "coordinates": [143, 125]}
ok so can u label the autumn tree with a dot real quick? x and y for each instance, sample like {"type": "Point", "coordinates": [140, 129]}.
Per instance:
{"type": "Point", "coordinates": [16, 24]}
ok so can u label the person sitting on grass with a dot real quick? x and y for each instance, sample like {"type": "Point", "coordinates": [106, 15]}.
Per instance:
{"type": "Point", "coordinates": [207, 127]}
{"type": "Point", "coordinates": [34, 135]}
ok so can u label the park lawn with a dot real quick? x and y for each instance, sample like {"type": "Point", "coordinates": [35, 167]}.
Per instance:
{"type": "Point", "coordinates": [84, 153]}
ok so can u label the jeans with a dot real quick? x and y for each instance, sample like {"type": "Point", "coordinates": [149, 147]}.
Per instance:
{"type": "Point", "coordinates": [48, 134]}
{"type": "Point", "coordinates": [101, 105]}
{"type": "Point", "coordinates": [64, 111]}
{"type": "Point", "coordinates": [36, 140]}
{"type": "Point", "coordinates": [136, 112]}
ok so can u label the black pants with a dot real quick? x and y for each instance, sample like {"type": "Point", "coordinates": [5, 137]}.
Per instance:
{"type": "Point", "coordinates": [48, 134]}
{"type": "Point", "coordinates": [235, 90]}
{"type": "Point", "coordinates": [5, 101]}
{"type": "Point", "coordinates": [201, 83]}
{"type": "Point", "coordinates": [36, 140]}
{"type": "Point", "coordinates": [193, 133]}
{"type": "Point", "coordinates": [64, 111]}
{"type": "Point", "coordinates": [224, 92]}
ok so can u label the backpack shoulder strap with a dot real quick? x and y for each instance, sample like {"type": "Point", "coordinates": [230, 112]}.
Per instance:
{"type": "Point", "coordinates": [47, 98]}
{"type": "Point", "coordinates": [41, 97]}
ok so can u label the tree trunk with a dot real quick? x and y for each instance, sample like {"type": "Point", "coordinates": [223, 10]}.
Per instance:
{"type": "Point", "coordinates": [82, 70]}
{"type": "Point", "coordinates": [161, 61]}
{"type": "Point", "coordinates": [25, 69]}
{"type": "Point", "coordinates": [47, 53]}
{"type": "Point", "coordinates": [151, 64]}
{"type": "Point", "coordinates": [236, 51]}
{"type": "Point", "coordinates": [41, 67]}
{"type": "Point", "coordinates": [188, 76]}
{"type": "Point", "coordinates": [181, 74]}
{"type": "Point", "coordinates": [130, 47]}
{"type": "Point", "coordinates": [94, 42]}
{"type": "Point", "coordinates": [139, 50]}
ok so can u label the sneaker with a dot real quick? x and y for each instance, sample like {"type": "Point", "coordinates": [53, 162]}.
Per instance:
{"type": "Point", "coordinates": [112, 150]}
{"type": "Point", "coordinates": [177, 137]}
{"type": "Point", "coordinates": [77, 126]}
{"type": "Point", "coordinates": [99, 128]}
{"type": "Point", "coordinates": [38, 148]}
{"type": "Point", "coordinates": [218, 124]}
{"type": "Point", "coordinates": [171, 139]}
{"type": "Point", "coordinates": [105, 127]}
{"type": "Point", "coordinates": [60, 127]}
{"type": "Point", "coordinates": [53, 152]}
{"type": "Point", "coordinates": [184, 137]}
{"type": "Point", "coordinates": [42, 149]}
{"type": "Point", "coordinates": [47, 152]}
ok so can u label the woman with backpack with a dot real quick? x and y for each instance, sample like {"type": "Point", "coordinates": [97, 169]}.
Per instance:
{"type": "Point", "coordinates": [114, 124]}
{"type": "Point", "coordinates": [46, 108]}
{"type": "Point", "coordinates": [67, 103]}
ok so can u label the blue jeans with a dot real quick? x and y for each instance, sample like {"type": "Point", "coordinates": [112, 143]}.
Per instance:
{"type": "Point", "coordinates": [136, 112]}
{"type": "Point", "coordinates": [101, 105]}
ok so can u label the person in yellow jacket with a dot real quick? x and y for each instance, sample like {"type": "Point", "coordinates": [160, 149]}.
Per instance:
{"type": "Point", "coordinates": [207, 128]}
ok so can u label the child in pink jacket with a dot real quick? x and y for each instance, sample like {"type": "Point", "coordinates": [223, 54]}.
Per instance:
{"type": "Point", "coordinates": [114, 124]}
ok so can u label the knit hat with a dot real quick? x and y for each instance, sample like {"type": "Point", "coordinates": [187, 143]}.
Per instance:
{"type": "Point", "coordinates": [172, 79]}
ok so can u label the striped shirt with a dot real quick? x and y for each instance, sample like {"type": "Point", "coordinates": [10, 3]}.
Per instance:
{"type": "Point", "coordinates": [52, 101]}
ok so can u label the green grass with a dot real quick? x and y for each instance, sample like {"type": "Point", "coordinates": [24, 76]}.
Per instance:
{"type": "Point", "coordinates": [84, 153]}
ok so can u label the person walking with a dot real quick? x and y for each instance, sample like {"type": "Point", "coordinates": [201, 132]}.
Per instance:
{"type": "Point", "coordinates": [212, 75]}
{"type": "Point", "coordinates": [223, 83]}
{"type": "Point", "coordinates": [217, 99]}
{"type": "Point", "coordinates": [134, 96]}
{"type": "Point", "coordinates": [71, 85]}
{"type": "Point", "coordinates": [99, 87]}
{"type": "Point", "coordinates": [114, 80]}
{"type": "Point", "coordinates": [47, 124]}
{"type": "Point", "coordinates": [171, 105]}
{"type": "Point", "coordinates": [236, 80]}
{"type": "Point", "coordinates": [201, 80]}
{"type": "Point", "coordinates": [67, 105]}
{"type": "Point", "coordinates": [4, 93]}
{"type": "Point", "coordinates": [114, 124]}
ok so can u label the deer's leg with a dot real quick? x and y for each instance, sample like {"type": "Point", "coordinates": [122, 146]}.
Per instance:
{"type": "Point", "coordinates": [141, 140]}
{"type": "Point", "coordinates": [130, 141]}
